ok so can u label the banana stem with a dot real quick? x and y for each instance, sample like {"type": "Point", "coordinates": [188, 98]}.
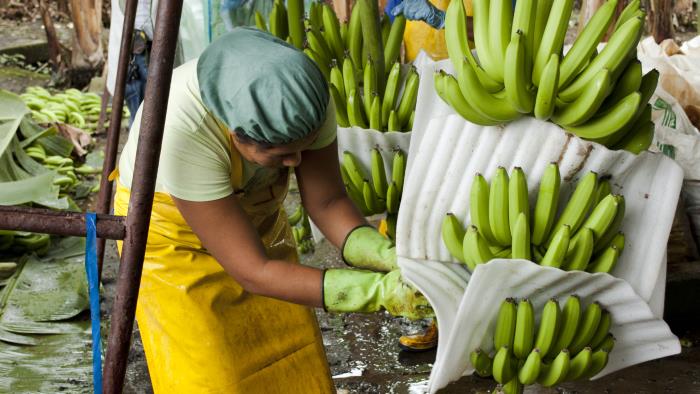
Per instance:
{"type": "Point", "coordinates": [372, 37]}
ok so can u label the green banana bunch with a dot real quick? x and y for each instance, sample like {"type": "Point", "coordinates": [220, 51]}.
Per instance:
{"type": "Point", "coordinates": [301, 230]}
{"type": "Point", "coordinates": [585, 236]}
{"type": "Point", "coordinates": [373, 191]}
{"type": "Point", "coordinates": [596, 96]}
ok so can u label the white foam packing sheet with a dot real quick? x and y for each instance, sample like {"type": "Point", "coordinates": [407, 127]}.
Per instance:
{"type": "Point", "coordinates": [453, 150]}
{"type": "Point", "coordinates": [360, 142]}
{"type": "Point", "coordinates": [639, 335]}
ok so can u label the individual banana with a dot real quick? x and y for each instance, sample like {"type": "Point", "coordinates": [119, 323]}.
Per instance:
{"type": "Point", "coordinates": [391, 92]}
{"type": "Point", "coordinates": [375, 113]}
{"type": "Point", "coordinates": [524, 21]}
{"type": "Point", "coordinates": [520, 234]}
{"type": "Point", "coordinates": [411, 118]}
{"type": "Point", "coordinates": [454, 97]}
{"type": "Point", "coordinates": [553, 36]}
{"type": "Point", "coordinates": [391, 220]}
{"type": "Point", "coordinates": [586, 42]}
{"type": "Point", "coordinates": [318, 44]}
{"type": "Point", "coordinates": [452, 235]}
{"type": "Point", "coordinates": [549, 326]}
{"type": "Point", "coordinates": [475, 248]}
{"type": "Point", "coordinates": [356, 114]}
{"type": "Point", "coordinates": [500, 22]}
{"type": "Point", "coordinates": [379, 181]}
{"type": "Point", "coordinates": [606, 261]}
{"type": "Point", "coordinates": [355, 36]}
{"type": "Point", "coordinates": [392, 47]}
{"type": "Point", "coordinates": [371, 198]}
{"type": "Point", "coordinates": [580, 250]}
{"type": "Point", "coordinates": [608, 343]}
{"type": "Point", "coordinates": [486, 104]}
{"type": "Point", "coordinates": [612, 57]}
{"type": "Point", "coordinates": [585, 106]}
{"type": "Point", "coordinates": [504, 332]}
{"type": "Point", "coordinates": [515, 78]}
{"type": "Point", "coordinates": [587, 327]}
{"type": "Point", "coordinates": [602, 330]}
{"type": "Point", "coordinates": [331, 30]}
{"type": "Point", "coordinates": [602, 190]}
{"type": "Point", "coordinates": [603, 215]}
{"type": "Point", "coordinates": [579, 364]}
{"type": "Point", "coordinates": [531, 368]}
{"type": "Point", "coordinates": [518, 201]}
{"type": "Point", "coordinates": [354, 170]}
{"type": "Point", "coordinates": [629, 82]}
{"type": "Point", "coordinates": [546, 206]}
{"type": "Point", "coordinates": [613, 229]}
{"type": "Point", "coordinates": [513, 387]}
{"type": "Point", "coordinates": [627, 13]}
{"type": "Point", "coordinates": [499, 207]}
{"type": "Point", "coordinates": [481, 362]}
{"type": "Point", "coordinates": [482, 39]}
{"type": "Point", "coordinates": [546, 93]}
{"type": "Point", "coordinates": [555, 372]}
{"type": "Point", "coordinates": [524, 329]}
{"type": "Point", "coordinates": [541, 16]}
{"type": "Point", "coordinates": [369, 84]}
{"type": "Point", "coordinates": [639, 138]}
{"type": "Point", "coordinates": [319, 60]}
{"type": "Point", "coordinates": [579, 203]}
{"type": "Point", "coordinates": [570, 317]}
{"type": "Point", "coordinates": [503, 369]}
{"type": "Point", "coordinates": [479, 207]}
{"type": "Point", "coordinates": [408, 97]}
{"type": "Point", "coordinates": [341, 111]}
{"type": "Point", "coordinates": [393, 123]}
{"type": "Point", "coordinates": [393, 200]}
{"type": "Point", "coordinates": [398, 169]}
{"type": "Point", "coordinates": [295, 217]}
{"type": "Point", "coordinates": [295, 21]}
{"type": "Point", "coordinates": [349, 72]}
{"type": "Point", "coordinates": [599, 359]}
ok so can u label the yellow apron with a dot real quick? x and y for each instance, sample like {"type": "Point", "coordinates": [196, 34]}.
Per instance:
{"type": "Point", "coordinates": [201, 331]}
{"type": "Point", "coordinates": [419, 35]}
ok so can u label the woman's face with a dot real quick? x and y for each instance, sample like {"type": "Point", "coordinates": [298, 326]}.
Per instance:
{"type": "Point", "coordinates": [277, 156]}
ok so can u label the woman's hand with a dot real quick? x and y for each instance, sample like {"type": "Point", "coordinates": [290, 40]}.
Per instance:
{"type": "Point", "coordinates": [227, 233]}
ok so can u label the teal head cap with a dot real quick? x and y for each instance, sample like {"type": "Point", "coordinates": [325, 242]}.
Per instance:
{"type": "Point", "coordinates": [262, 87]}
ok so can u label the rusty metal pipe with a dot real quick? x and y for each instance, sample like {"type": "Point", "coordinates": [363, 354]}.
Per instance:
{"type": "Point", "coordinates": [47, 221]}
{"type": "Point", "coordinates": [104, 199]}
{"type": "Point", "coordinates": [155, 105]}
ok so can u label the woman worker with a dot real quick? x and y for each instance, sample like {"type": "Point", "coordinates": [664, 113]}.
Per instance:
{"type": "Point", "coordinates": [224, 305]}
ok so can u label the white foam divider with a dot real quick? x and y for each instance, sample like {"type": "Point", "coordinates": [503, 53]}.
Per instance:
{"type": "Point", "coordinates": [640, 336]}
{"type": "Point", "coordinates": [453, 150]}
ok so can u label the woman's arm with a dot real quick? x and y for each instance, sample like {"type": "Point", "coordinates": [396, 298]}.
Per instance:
{"type": "Point", "coordinates": [324, 196]}
{"type": "Point", "coordinates": [228, 235]}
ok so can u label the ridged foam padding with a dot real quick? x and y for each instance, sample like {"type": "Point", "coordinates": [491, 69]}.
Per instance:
{"type": "Point", "coordinates": [639, 335]}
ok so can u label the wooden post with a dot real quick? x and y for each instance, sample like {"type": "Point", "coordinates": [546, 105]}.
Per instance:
{"type": "Point", "coordinates": [660, 12]}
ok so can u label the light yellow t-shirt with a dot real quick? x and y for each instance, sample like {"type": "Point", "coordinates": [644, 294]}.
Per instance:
{"type": "Point", "coordinates": [195, 163]}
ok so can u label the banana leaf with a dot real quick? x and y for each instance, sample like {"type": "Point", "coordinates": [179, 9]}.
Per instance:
{"type": "Point", "coordinates": [33, 305]}
{"type": "Point", "coordinates": [38, 188]}
{"type": "Point", "coordinates": [12, 110]}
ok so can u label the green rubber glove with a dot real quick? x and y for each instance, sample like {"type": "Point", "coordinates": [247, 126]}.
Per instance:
{"type": "Point", "coordinates": [365, 248]}
{"type": "Point", "coordinates": [346, 290]}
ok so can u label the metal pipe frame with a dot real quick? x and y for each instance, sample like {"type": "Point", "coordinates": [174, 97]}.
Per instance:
{"type": "Point", "coordinates": [46, 221]}
{"type": "Point", "coordinates": [142, 189]}
{"type": "Point", "coordinates": [104, 199]}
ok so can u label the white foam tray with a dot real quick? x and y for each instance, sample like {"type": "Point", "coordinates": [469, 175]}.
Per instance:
{"type": "Point", "coordinates": [453, 150]}
{"type": "Point", "coordinates": [467, 321]}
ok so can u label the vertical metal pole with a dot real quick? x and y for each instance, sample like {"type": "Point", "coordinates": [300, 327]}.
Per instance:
{"type": "Point", "coordinates": [142, 188]}
{"type": "Point", "coordinates": [104, 199]}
